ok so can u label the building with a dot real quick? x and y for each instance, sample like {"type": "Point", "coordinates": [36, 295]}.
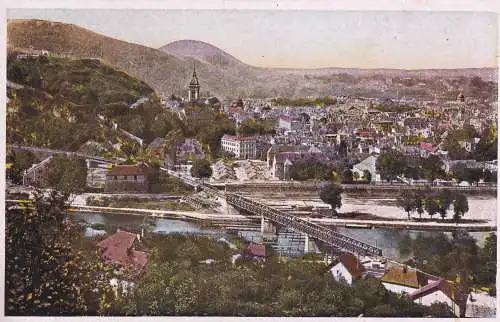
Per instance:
{"type": "Point", "coordinates": [243, 147]}
{"type": "Point", "coordinates": [255, 252]}
{"type": "Point", "coordinates": [368, 164]}
{"type": "Point", "coordinates": [38, 174]}
{"type": "Point", "coordinates": [119, 249]}
{"type": "Point", "coordinates": [403, 280]}
{"type": "Point", "coordinates": [194, 87]}
{"type": "Point", "coordinates": [441, 291]}
{"type": "Point", "coordinates": [188, 150]}
{"type": "Point", "coordinates": [289, 123]}
{"type": "Point", "coordinates": [127, 178]}
{"type": "Point", "coordinates": [347, 268]}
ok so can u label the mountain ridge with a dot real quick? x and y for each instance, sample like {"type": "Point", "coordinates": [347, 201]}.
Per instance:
{"type": "Point", "coordinates": [168, 69]}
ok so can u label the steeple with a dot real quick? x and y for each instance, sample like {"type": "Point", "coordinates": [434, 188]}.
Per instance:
{"type": "Point", "coordinates": [194, 87]}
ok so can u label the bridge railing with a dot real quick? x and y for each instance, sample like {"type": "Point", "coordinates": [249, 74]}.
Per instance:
{"type": "Point", "coordinates": [314, 230]}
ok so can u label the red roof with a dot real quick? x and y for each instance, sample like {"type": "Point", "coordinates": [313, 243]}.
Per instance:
{"type": "Point", "coordinates": [441, 285]}
{"type": "Point", "coordinates": [287, 118]}
{"type": "Point", "coordinates": [427, 146]}
{"type": "Point", "coordinates": [239, 138]}
{"type": "Point", "coordinates": [126, 170]}
{"type": "Point", "coordinates": [257, 250]}
{"type": "Point", "coordinates": [352, 264]}
{"type": "Point", "coordinates": [118, 250]}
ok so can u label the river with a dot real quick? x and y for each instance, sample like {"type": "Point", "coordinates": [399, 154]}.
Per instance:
{"type": "Point", "coordinates": [287, 243]}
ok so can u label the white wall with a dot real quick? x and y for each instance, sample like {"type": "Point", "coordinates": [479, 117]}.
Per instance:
{"type": "Point", "coordinates": [438, 296]}
{"type": "Point", "coordinates": [339, 271]}
{"type": "Point", "coordinates": [398, 288]}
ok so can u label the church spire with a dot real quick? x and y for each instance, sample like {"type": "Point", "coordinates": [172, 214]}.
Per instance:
{"type": "Point", "coordinates": [194, 86]}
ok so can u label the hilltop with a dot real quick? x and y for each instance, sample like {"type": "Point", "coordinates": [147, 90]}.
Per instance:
{"type": "Point", "coordinates": [57, 96]}
{"type": "Point", "coordinates": [168, 69]}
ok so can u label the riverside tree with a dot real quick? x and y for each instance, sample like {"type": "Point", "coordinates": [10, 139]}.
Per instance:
{"type": "Point", "coordinates": [332, 195]}
{"type": "Point", "coordinates": [460, 207]}
{"type": "Point", "coordinates": [46, 274]}
{"type": "Point", "coordinates": [390, 165]}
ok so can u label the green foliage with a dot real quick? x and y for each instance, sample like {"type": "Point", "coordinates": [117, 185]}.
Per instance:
{"type": "Point", "coordinates": [177, 282]}
{"type": "Point", "coordinates": [302, 171]}
{"type": "Point", "coordinates": [390, 165]}
{"type": "Point", "coordinates": [487, 257]}
{"type": "Point", "coordinates": [201, 169]}
{"type": "Point", "coordinates": [331, 194]}
{"type": "Point", "coordinates": [256, 127]}
{"type": "Point", "coordinates": [460, 206]}
{"type": "Point", "coordinates": [21, 160]}
{"type": "Point", "coordinates": [68, 174]}
{"type": "Point", "coordinates": [68, 94]}
{"type": "Point", "coordinates": [47, 273]}
{"type": "Point", "coordinates": [432, 167]}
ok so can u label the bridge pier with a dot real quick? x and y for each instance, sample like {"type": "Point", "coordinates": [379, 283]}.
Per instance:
{"type": "Point", "coordinates": [267, 228]}
{"type": "Point", "coordinates": [306, 243]}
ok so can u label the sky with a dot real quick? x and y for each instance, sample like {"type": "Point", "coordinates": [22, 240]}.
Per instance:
{"type": "Point", "coordinates": [305, 39]}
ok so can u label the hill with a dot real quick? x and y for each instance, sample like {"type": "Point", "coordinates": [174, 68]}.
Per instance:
{"type": "Point", "coordinates": [54, 97]}
{"type": "Point", "coordinates": [201, 51]}
{"type": "Point", "coordinates": [168, 69]}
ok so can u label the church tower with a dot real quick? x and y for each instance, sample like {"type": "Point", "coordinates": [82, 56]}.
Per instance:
{"type": "Point", "coordinates": [194, 87]}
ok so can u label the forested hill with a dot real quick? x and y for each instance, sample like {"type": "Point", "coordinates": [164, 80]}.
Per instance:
{"type": "Point", "coordinates": [58, 102]}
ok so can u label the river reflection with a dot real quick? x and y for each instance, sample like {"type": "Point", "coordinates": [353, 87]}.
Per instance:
{"type": "Point", "coordinates": [285, 242]}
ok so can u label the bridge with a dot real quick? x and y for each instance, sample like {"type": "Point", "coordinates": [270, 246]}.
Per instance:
{"type": "Point", "coordinates": [295, 223]}
{"type": "Point", "coordinates": [59, 152]}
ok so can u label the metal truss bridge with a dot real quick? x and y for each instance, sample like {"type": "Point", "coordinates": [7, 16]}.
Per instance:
{"type": "Point", "coordinates": [300, 225]}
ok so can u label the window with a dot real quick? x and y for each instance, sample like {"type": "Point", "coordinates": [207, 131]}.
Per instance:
{"type": "Point", "coordinates": [135, 178]}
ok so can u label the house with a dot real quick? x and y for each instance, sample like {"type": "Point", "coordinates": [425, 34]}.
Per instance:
{"type": "Point", "coordinates": [38, 174]}
{"type": "Point", "coordinates": [368, 164]}
{"type": "Point", "coordinates": [127, 178]}
{"type": "Point", "coordinates": [289, 123]}
{"type": "Point", "coordinates": [255, 252]}
{"type": "Point", "coordinates": [119, 249]}
{"type": "Point", "coordinates": [243, 147]}
{"type": "Point", "coordinates": [444, 292]}
{"type": "Point", "coordinates": [426, 149]}
{"type": "Point", "coordinates": [347, 268]}
{"type": "Point", "coordinates": [188, 150]}
{"type": "Point", "coordinates": [157, 146]}
{"type": "Point", "coordinates": [402, 279]}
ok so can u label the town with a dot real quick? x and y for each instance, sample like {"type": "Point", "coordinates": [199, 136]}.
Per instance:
{"type": "Point", "coordinates": [310, 191]}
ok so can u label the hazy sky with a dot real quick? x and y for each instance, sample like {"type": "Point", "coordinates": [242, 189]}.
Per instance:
{"type": "Point", "coordinates": [305, 39]}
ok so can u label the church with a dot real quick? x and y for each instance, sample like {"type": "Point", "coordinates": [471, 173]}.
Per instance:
{"type": "Point", "coordinates": [194, 87]}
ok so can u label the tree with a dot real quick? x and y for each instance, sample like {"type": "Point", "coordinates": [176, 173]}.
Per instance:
{"type": "Point", "coordinates": [431, 205]}
{"type": "Point", "coordinates": [444, 201]}
{"type": "Point", "coordinates": [331, 195]}
{"type": "Point", "coordinates": [390, 165]}
{"type": "Point", "coordinates": [46, 274]}
{"type": "Point", "coordinates": [407, 202]}
{"type": "Point", "coordinates": [487, 256]}
{"type": "Point", "coordinates": [367, 175]}
{"type": "Point", "coordinates": [356, 175]}
{"type": "Point", "coordinates": [460, 207]}
{"type": "Point", "coordinates": [419, 204]}
{"type": "Point", "coordinates": [432, 167]}
{"type": "Point", "coordinates": [68, 174]}
{"type": "Point", "coordinates": [347, 176]}
{"type": "Point", "coordinates": [20, 161]}
{"type": "Point", "coordinates": [464, 260]}
{"type": "Point", "coordinates": [201, 169]}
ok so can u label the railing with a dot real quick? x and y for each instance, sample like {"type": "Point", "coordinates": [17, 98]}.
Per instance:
{"type": "Point", "coordinates": [295, 223]}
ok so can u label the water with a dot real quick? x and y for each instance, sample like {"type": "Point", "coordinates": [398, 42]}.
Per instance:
{"type": "Point", "coordinates": [287, 243]}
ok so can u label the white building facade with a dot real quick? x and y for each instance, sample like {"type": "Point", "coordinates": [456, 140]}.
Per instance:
{"type": "Point", "coordinates": [243, 147]}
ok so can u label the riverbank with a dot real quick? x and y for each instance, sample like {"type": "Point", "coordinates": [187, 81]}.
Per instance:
{"type": "Point", "coordinates": [236, 220]}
